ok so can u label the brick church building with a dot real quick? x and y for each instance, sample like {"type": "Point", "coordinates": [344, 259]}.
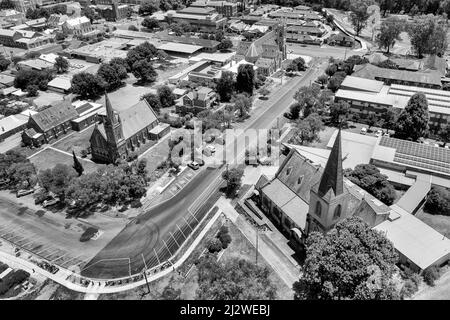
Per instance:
{"type": "Point", "coordinates": [123, 132]}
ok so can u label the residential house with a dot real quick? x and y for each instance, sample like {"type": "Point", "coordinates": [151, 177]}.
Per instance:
{"type": "Point", "coordinates": [198, 100]}
{"type": "Point", "coordinates": [340, 39]}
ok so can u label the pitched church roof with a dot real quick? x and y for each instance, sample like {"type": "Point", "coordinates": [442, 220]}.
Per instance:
{"type": "Point", "coordinates": [136, 118]}
{"type": "Point", "coordinates": [332, 177]}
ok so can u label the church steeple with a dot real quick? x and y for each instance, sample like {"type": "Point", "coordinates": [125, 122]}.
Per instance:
{"type": "Point", "coordinates": [113, 127]}
{"type": "Point", "coordinates": [332, 177]}
{"type": "Point", "coordinates": [110, 114]}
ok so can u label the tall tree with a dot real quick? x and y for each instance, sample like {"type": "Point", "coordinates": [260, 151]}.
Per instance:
{"type": "Point", "coordinates": [144, 71]}
{"type": "Point", "coordinates": [389, 33]}
{"type": "Point", "coordinates": [413, 121]}
{"type": "Point", "coordinates": [225, 86]}
{"type": "Point", "coordinates": [61, 64]}
{"type": "Point", "coordinates": [245, 80]}
{"type": "Point", "coordinates": [87, 85]}
{"type": "Point", "coordinates": [339, 112]}
{"type": "Point", "coordinates": [77, 164]}
{"type": "Point", "coordinates": [359, 15]}
{"type": "Point", "coordinates": [233, 177]}
{"type": "Point", "coordinates": [153, 101]}
{"type": "Point", "coordinates": [428, 35]}
{"type": "Point", "coordinates": [352, 261]}
{"type": "Point", "coordinates": [150, 23]}
{"type": "Point", "coordinates": [166, 96]}
{"type": "Point", "coordinates": [243, 104]}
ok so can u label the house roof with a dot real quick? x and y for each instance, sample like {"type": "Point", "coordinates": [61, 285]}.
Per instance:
{"type": "Point", "coordinates": [60, 83]}
{"type": "Point", "coordinates": [179, 47]}
{"type": "Point", "coordinates": [55, 115]}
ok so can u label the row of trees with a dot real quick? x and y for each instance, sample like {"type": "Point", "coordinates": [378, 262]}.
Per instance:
{"type": "Point", "coordinates": [41, 12]}
{"type": "Point", "coordinates": [110, 76]}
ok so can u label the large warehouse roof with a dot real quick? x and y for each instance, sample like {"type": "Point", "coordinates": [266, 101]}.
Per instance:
{"type": "Point", "coordinates": [179, 47]}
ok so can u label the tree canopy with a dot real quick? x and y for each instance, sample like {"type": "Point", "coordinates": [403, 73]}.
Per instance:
{"type": "Point", "coordinates": [245, 79]}
{"type": "Point", "coordinates": [412, 122]}
{"type": "Point", "coordinates": [234, 279]}
{"type": "Point", "coordinates": [87, 85]}
{"type": "Point", "coordinates": [428, 35]}
{"type": "Point", "coordinates": [351, 261]}
{"type": "Point", "coordinates": [225, 86]}
{"type": "Point", "coordinates": [369, 177]}
{"type": "Point", "coordinates": [390, 30]}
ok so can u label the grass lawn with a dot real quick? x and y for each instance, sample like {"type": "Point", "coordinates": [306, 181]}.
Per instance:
{"type": "Point", "coordinates": [48, 158]}
{"type": "Point", "coordinates": [77, 141]}
{"type": "Point", "coordinates": [437, 222]}
{"type": "Point", "coordinates": [156, 155]}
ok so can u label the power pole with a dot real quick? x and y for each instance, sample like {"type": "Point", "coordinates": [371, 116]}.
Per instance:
{"type": "Point", "coordinates": [145, 274]}
{"type": "Point", "coordinates": [256, 258]}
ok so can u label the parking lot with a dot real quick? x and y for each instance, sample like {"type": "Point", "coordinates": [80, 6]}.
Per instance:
{"type": "Point", "coordinates": [37, 245]}
{"type": "Point", "coordinates": [51, 236]}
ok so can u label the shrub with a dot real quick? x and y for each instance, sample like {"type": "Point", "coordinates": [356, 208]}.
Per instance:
{"type": "Point", "coordinates": [214, 245]}
{"type": "Point", "coordinates": [12, 279]}
{"type": "Point", "coordinates": [224, 237]}
{"type": "Point", "coordinates": [88, 234]}
{"type": "Point", "coordinates": [430, 275]}
{"type": "Point", "coordinates": [408, 289]}
{"type": "Point", "coordinates": [136, 204]}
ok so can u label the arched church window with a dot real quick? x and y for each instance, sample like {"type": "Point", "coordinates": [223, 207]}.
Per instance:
{"type": "Point", "coordinates": [337, 211]}
{"type": "Point", "coordinates": [318, 209]}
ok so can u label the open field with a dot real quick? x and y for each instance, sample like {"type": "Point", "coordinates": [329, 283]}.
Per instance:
{"type": "Point", "coordinates": [49, 157]}
{"type": "Point", "coordinates": [51, 236]}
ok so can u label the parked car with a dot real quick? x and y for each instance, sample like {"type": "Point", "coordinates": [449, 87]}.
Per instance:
{"type": "Point", "coordinates": [193, 165]}
{"type": "Point", "coordinates": [386, 134]}
{"type": "Point", "coordinates": [24, 192]}
{"type": "Point", "coordinates": [211, 148]}
{"type": "Point", "coordinates": [199, 161]}
{"type": "Point", "coordinates": [379, 133]}
{"type": "Point", "coordinates": [50, 202]}
{"type": "Point", "coordinates": [363, 130]}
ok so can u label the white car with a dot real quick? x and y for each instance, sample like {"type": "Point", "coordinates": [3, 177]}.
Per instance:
{"type": "Point", "coordinates": [211, 148]}
{"type": "Point", "coordinates": [379, 133]}
{"type": "Point", "coordinates": [50, 202]}
{"type": "Point", "coordinates": [363, 130]}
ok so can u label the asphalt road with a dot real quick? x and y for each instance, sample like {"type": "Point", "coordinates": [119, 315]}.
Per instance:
{"type": "Point", "coordinates": [158, 232]}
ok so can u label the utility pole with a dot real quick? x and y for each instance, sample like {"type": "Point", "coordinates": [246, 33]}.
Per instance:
{"type": "Point", "coordinates": [145, 274]}
{"type": "Point", "coordinates": [256, 258]}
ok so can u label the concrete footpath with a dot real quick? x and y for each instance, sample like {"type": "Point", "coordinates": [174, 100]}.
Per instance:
{"type": "Point", "coordinates": [284, 265]}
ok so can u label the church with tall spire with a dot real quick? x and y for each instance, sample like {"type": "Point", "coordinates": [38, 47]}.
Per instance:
{"type": "Point", "coordinates": [123, 133]}
{"type": "Point", "coordinates": [305, 196]}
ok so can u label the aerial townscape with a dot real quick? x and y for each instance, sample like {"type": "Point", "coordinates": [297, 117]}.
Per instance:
{"type": "Point", "coordinates": [224, 150]}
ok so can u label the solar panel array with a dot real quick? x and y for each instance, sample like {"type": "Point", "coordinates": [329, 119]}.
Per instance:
{"type": "Point", "coordinates": [419, 155]}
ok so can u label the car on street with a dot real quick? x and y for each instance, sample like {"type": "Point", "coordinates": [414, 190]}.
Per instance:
{"type": "Point", "coordinates": [24, 192]}
{"type": "Point", "coordinates": [50, 202]}
{"type": "Point", "coordinates": [193, 165]}
{"type": "Point", "coordinates": [199, 161]}
{"type": "Point", "coordinates": [211, 148]}
{"type": "Point", "coordinates": [363, 130]}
